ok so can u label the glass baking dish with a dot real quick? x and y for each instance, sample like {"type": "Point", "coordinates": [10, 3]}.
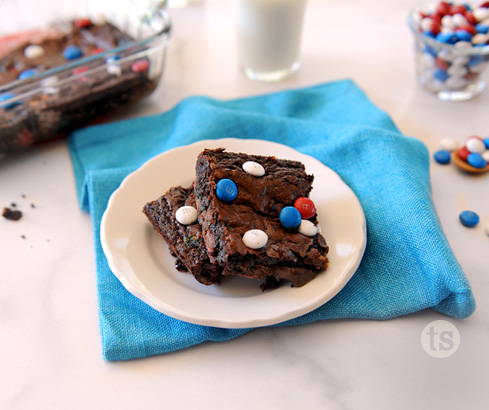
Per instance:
{"type": "Point", "coordinates": [52, 103]}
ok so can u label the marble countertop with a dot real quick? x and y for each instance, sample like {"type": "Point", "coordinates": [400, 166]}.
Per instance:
{"type": "Point", "coordinates": [50, 347]}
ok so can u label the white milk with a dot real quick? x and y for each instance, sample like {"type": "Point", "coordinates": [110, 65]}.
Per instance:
{"type": "Point", "coordinates": [269, 36]}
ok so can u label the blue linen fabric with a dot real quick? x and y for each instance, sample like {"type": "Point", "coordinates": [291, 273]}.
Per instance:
{"type": "Point", "coordinates": [408, 265]}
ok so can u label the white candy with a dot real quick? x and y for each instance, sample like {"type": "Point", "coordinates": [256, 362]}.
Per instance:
{"type": "Point", "coordinates": [114, 69]}
{"type": "Point", "coordinates": [50, 85]}
{"type": "Point", "coordinates": [255, 239]}
{"type": "Point", "coordinates": [457, 71]}
{"type": "Point", "coordinates": [485, 155]}
{"type": "Point", "coordinates": [475, 145]}
{"type": "Point", "coordinates": [480, 39]}
{"type": "Point", "coordinates": [186, 215]}
{"type": "Point", "coordinates": [456, 83]}
{"type": "Point", "coordinates": [449, 144]}
{"type": "Point", "coordinates": [426, 24]}
{"type": "Point", "coordinates": [459, 20]}
{"type": "Point", "coordinates": [463, 44]}
{"type": "Point", "coordinates": [481, 13]}
{"type": "Point", "coordinates": [33, 51]}
{"type": "Point", "coordinates": [253, 168]}
{"type": "Point", "coordinates": [447, 22]}
{"type": "Point", "coordinates": [307, 228]}
{"type": "Point", "coordinates": [427, 61]}
{"type": "Point", "coordinates": [487, 229]}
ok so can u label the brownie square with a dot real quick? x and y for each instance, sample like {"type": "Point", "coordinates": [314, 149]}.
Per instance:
{"type": "Point", "coordinates": [185, 241]}
{"type": "Point", "coordinates": [287, 256]}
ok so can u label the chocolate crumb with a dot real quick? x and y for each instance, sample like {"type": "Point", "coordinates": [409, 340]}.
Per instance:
{"type": "Point", "coordinates": [11, 215]}
{"type": "Point", "coordinates": [48, 240]}
{"type": "Point", "coordinates": [23, 196]}
{"type": "Point", "coordinates": [33, 206]}
{"type": "Point", "coordinates": [22, 236]}
{"type": "Point", "coordinates": [13, 205]}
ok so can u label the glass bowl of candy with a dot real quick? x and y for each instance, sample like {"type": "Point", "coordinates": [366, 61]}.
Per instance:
{"type": "Point", "coordinates": [64, 65]}
{"type": "Point", "coordinates": [451, 48]}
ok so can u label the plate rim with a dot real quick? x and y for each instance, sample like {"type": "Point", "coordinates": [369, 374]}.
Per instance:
{"type": "Point", "coordinates": [175, 312]}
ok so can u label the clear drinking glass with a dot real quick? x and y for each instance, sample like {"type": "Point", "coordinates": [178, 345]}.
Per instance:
{"type": "Point", "coordinates": [269, 37]}
{"type": "Point", "coordinates": [451, 72]}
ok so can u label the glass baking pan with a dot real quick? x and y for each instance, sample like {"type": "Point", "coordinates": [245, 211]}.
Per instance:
{"type": "Point", "coordinates": [51, 103]}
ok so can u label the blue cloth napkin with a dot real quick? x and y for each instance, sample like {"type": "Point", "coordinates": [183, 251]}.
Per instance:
{"type": "Point", "coordinates": [408, 265]}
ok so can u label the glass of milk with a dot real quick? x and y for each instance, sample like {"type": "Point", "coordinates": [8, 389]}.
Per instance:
{"type": "Point", "coordinates": [269, 37]}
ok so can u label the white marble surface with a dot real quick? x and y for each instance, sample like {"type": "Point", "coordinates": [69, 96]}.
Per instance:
{"type": "Point", "coordinates": [50, 349]}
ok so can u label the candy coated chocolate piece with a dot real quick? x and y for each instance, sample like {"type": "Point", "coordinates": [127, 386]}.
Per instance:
{"type": "Point", "coordinates": [469, 218]}
{"type": "Point", "coordinates": [449, 144]}
{"type": "Point", "coordinates": [253, 168]}
{"type": "Point", "coordinates": [226, 190]}
{"type": "Point", "coordinates": [308, 228]}
{"type": "Point", "coordinates": [33, 51]}
{"type": "Point", "coordinates": [186, 215]}
{"type": "Point", "coordinates": [140, 66]}
{"type": "Point", "coordinates": [305, 206]}
{"type": "Point", "coordinates": [290, 217]}
{"type": "Point", "coordinates": [475, 145]}
{"type": "Point", "coordinates": [442, 157]}
{"type": "Point", "coordinates": [475, 160]}
{"type": "Point", "coordinates": [255, 238]}
{"type": "Point", "coordinates": [72, 52]}
{"type": "Point", "coordinates": [463, 153]}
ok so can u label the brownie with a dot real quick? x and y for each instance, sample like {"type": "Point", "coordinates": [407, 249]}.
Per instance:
{"type": "Point", "coordinates": [58, 109]}
{"type": "Point", "coordinates": [185, 241]}
{"type": "Point", "coordinates": [288, 256]}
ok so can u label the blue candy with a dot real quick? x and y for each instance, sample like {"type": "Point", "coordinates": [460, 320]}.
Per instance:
{"type": "Point", "coordinates": [72, 52]}
{"type": "Point", "coordinates": [463, 35]}
{"type": "Point", "coordinates": [474, 60]}
{"type": "Point", "coordinates": [469, 218]}
{"type": "Point", "coordinates": [475, 159]}
{"type": "Point", "coordinates": [113, 59]}
{"type": "Point", "coordinates": [431, 51]}
{"type": "Point", "coordinates": [482, 28]}
{"type": "Point", "coordinates": [442, 157]}
{"type": "Point", "coordinates": [448, 38]}
{"type": "Point", "coordinates": [226, 190]}
{"type": "Point", "coordinates": [27, 73]}
{"type": "Point", "coordinates": [440, 75]}
{"type": "Point", "coordinates": [429, 34]}
{"type": "Point", "coordinates": [486, 142]}
{"type": "Point", "coordinates": [290, 217]}
{"type": "Point", "coordinates": [8, 96]}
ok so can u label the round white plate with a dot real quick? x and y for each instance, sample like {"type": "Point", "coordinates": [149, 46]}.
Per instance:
{"type": "Point", "coordinates": [140, 258]}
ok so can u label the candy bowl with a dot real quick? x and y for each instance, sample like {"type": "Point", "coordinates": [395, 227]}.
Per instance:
{"type": "Point", "coordinates": [473, 157]}
{"type": "Point", "coordinates": [451, 48]}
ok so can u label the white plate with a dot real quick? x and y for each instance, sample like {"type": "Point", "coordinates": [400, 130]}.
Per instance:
{"type": "Point", "coordinates": [141, 260]}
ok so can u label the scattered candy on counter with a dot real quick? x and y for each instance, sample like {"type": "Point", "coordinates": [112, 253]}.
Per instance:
{"type": "Point", "coordinates": [72, 52]}
{"type": "Point", "coordinates": [253, 168]}
{"type": "Point", "coordinates": [290, 217]}
{"type": "Point", "coordinates": [10, 105]}
{"type": "Point", "coordinates": [308, 228]}
{"type": "Point", "coordinates": [27, 73]}
{"type": "Point", "coordinates": [33, 51]}
{"type": "Point", "coordinates": [255, 238]}
{"type": "Point", "coordinates": [186, 215]}
{"type": "Point", "coordinates": [449, 144]}
{"type": "Point", "coordinates": [226, 190]}
{"type": "Point", "coordinates": [306, 207]}
{"type": "Point", "coordinates": [140, 66]}
{"type": "Point", "coordinates": [442, 156]}
{"type": "Point", "coordinates": [455, 60]}
{"type": "Point", "coordinates": [469, 219]}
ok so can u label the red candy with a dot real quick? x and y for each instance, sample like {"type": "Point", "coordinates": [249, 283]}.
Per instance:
{"type": "Point", "coordinates": [444, 8]}
{"type": "Point", "coordinates": [485, 4]}
{"type": "Point", "coordinates": [441, 64]}
{"type": "Point", "coordinates": [470, 29]}
{"type": "Point", "coordinates": [80, 70]}
{"type": "Point", "coordinates": [470, 17]}
{"type": "Point", "coordinates": [140, 66]}
{"type": "Point", "coordinates": [82, 23]}
{"type": "Point", "coordinates": [463, 153]}
{"type": "Point", "coordinates": [97, 50]}
{"type": "Point", "coordinates": [458, 9]}
{"type": "Point", "coordinates": [305, 206]}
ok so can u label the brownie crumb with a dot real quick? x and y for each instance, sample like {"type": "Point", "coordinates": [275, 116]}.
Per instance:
{"type": "Point", "coordinates": [23, 236]}
{"type": "Point", "coordinates": [11, 215]}
{"type": "Point", "coordinates": [13, 205]}
{"type": "Point", "coordinates": [23, 196]}
{"type": "Point", "coordinates": [33, 206]}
